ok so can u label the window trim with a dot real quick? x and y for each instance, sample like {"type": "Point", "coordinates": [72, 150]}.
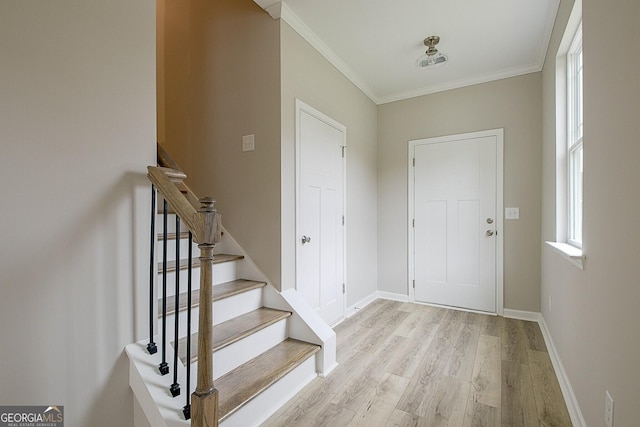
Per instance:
{"type": "Point", "coordinates": [562, 244]}
{"type": "Point", "coordinates": [575, 145]}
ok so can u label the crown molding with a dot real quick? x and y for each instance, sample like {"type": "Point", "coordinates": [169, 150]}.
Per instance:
{"type": "Point", "coordinates": [312, 38]}
{"type": "Point", "coordinates": [279, 10]}
{"type": "Point", "coordinates": [431, 89]}
{"type": "Point", "coordinates": [552, 13]}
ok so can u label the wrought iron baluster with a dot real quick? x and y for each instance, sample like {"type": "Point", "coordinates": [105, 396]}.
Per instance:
{"type": "Point", "coordinates": [175, 387]}
{"type": "Point", "coordinates": [164, 366]}
{"type": "Point", "coordinates": [151, 347]}
{"type": "Point", "coordinates": [187, 408]}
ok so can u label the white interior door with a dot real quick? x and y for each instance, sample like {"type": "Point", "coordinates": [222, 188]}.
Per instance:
{"type": "Point", "coordinates": [320, 228]}
{"type": "Point", "coordinates": [455, 195]}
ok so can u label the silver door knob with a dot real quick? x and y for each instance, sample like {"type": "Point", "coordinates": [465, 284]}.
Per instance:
{"type": "Point", "coordinates": [489, 220]}
{"type": "Point", "coordinates": [305, 239]}
{"type": "Point", "coordinates": [489, 233]}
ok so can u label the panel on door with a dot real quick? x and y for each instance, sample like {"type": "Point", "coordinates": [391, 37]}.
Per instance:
{"type": "Point", "coordinates": [454, 232]}
{"type": "Point", "coordinates": [320, 246]}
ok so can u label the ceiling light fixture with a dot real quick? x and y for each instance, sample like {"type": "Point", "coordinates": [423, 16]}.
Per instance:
{"type": "Point", "coordinates": [432, 58]}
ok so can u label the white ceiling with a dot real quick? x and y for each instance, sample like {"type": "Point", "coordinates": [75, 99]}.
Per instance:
{"type": "Point", "coordinates": [375, 43]}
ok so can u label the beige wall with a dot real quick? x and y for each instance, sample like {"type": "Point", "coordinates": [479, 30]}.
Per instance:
{"type": "Point", "coordinates": [77, 130]}
{"type": "Point", "coordinates": [513, 104]}
{"type": "Point", "coordinates": [308, 76]}
{"type": "Point", "coordinates": [594, 317]}
{"type": "Point", "coordinates": [173, 53]}
{"type": "Point", "coordinates": [222, 81]}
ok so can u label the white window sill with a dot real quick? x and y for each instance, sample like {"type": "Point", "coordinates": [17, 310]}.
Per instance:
{"type": "Point", "coordinates": [570, 253]}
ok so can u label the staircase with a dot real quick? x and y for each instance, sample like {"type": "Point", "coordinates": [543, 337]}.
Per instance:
{"type": "Point", "coordinates": [267, 345]}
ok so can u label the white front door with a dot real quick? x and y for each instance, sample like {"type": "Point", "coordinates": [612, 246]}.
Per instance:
{"type": "Point", "coordinates": [320, 228]}
{"type": "Point", "coordinates": [455, 192]}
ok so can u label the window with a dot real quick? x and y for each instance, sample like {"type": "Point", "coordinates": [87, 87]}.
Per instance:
{"type": "Point", "coordinates": [569, 142]}
{"type": "Point", "coordinates": [575, 164]}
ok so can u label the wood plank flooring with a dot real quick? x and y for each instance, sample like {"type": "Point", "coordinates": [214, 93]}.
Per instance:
{"type": "Point", "coordinates": [405, 364]}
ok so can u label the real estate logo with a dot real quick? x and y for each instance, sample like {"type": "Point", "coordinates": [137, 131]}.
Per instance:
{"type": "Point", "coordinates": [32, 416]}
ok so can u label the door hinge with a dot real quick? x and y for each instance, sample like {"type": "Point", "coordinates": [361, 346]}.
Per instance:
{"type": "Point", "coordinates": [344, 288]}
{"type": "Point", "coordinates": [342, 219]}
{"type": "Point", "coordinates": [414, 283]}
{"type": "Point", "coordinates": [414, 161]}
{"type": "Point", "coordinates": [414, 223]}
{"type": "Point", "coordinates": [343, 147]}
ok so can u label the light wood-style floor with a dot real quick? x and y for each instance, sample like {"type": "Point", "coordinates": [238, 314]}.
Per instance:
{"type": "Point", "coordinates": [405, 364]}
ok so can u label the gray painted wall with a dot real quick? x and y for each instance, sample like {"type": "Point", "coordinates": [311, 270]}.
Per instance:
{"type": "Point", "coordinates": [513, 104]}
{"type": "Point", "coordinates": [594, 317]}
{"type": "Point", "coordinates": [77, 129]}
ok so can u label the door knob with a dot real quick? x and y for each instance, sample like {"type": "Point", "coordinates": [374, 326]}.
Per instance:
{"type": "Point", "coordinates": [305, 239]}
{"type": "Point", "coordinates": [489, 233]}
{"type": "Point", "coordinates": [489, 220]}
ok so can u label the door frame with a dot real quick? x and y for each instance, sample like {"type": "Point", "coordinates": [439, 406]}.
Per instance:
{"type": "Point", "coordinates": [499, 135]}
{"type": "Point", "coordinates": [301, 106]}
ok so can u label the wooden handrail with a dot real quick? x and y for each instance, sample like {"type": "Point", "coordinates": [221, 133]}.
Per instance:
{"type": "Point", "coordinates": [177, 201]}
{"type": "Point", "coordinates": [203, 231]}
{"type": "Point", "coordinates": [165, 160]}
{"type": "Point", "coordinates": [204, 222]}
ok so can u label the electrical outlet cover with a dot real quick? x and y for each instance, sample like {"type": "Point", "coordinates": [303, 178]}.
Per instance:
{"type": "Point", "coordinates": [608, 409]}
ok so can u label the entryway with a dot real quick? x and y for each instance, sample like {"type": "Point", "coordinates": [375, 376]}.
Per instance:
{"type": "Point", "coordinates": [455, 230]}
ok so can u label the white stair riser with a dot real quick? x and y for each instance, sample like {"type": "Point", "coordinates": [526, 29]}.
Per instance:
{"type": "Point", "coordinates": [222, 273]}
{"type": "Point", "coordinates": [230, 357]}
{"type": "Point", "coordinates": [171, 281]}
{"type": "Point", "coordinates": [171, 250]}
{"type": "Point", "coordinates": [237, 305]}
{"type": "Point", "coordinates": [226, 272]}
{"type": "Point", "coordinates": [223, 310]}
{"type": "Point", "coordinates": [269, 401]}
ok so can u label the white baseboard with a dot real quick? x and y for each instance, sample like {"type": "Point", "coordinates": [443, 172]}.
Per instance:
{"type": "Point", "coordinates": [361, 304]}
{"type": "Point", "coordinates": [530, 316]}
{"type": "Point", "coordinates": [393, 297]}
{"type": "Point", "coordinates": [565, 385]}
{"type": "Point", "coordinates": [371, 298]}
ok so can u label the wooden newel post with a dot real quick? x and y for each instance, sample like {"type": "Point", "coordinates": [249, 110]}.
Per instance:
{"type": "Point", "coordinates": [204, 401]}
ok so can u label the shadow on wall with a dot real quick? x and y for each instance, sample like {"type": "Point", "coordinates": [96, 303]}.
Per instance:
{"type": "Point", "coordinates": [74, 296]}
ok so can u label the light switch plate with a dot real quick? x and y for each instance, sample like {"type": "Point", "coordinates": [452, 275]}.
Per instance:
{"type": "Point", "coordinates": [248, 143]}
{"type": "Point", "coordinates": [511, 213]}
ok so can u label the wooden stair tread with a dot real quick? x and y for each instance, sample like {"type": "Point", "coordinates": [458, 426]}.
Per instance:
{"type": "Point", "coordinates": [233, 330]}
{"type": "Point", "coordinates": [221, 291]}
{"type": "Point", "coordinates": [241, 385]}
{"type": "Point", "coordinates": [184, 263]}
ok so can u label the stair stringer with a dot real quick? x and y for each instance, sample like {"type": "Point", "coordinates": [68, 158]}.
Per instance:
{"type": "Point", "coordinates": [152, 389]}
{"type": "Point", "coordinates": [247, 269]}
{"type": "Point", "coordinates": [305, 325]}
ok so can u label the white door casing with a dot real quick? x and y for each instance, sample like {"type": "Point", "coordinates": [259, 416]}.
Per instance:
{"type": "Point", "coordinates": [455, 221]}
{"type": "Point", "coordinates": [320, 232]}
